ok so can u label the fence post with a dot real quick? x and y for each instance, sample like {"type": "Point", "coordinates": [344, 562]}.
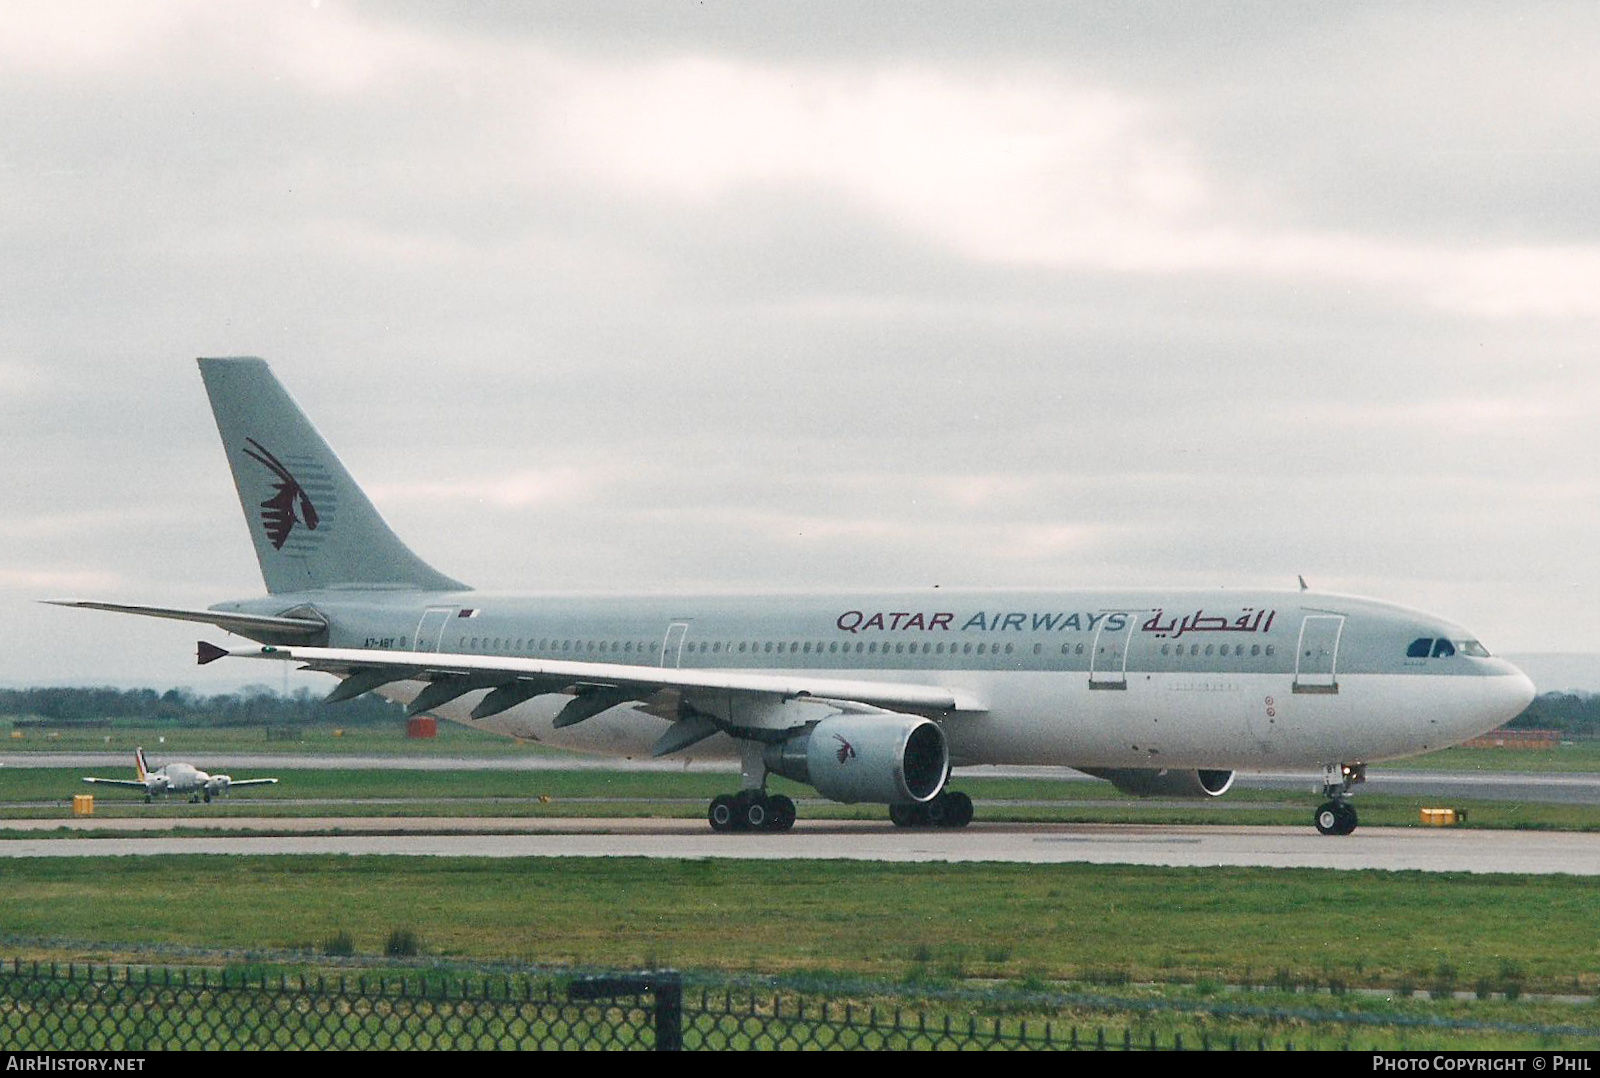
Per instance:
{"type": "Point", "coordinates": [665, 985]}
{"type": "Point", "coordinates": [669, 1013]}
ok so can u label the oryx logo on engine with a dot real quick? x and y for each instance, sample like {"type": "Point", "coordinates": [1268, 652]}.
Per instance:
{"type": "Point", "coordinates": [846, 751]}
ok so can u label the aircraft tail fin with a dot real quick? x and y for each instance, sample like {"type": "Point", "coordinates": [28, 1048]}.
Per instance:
{"type": "Point", "coordinates": [312, 526]}
{"type": "Point", "coordinates": [138, 763]}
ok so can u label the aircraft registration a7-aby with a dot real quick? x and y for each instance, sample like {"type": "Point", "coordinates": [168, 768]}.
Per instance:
{"type": "Point", "coordinates": [179, 778]}
{"type": "Point", "coordinates": [865, 698]}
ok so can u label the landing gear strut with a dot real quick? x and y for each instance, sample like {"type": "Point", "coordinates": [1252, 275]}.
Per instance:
{"type": "Point", "coordinates": [751, 810]}
{"type": "Point", "coordinates": [949, 809]}
{"type": "Point", "coordinates": [1337, 816]}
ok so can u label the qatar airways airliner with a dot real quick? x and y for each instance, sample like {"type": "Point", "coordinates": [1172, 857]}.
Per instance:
{"type": "Point", "coordinates": [864, 697]}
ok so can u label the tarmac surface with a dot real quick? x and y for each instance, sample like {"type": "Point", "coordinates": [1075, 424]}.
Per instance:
{"type": "Point", "coordinates": [1395, 849]}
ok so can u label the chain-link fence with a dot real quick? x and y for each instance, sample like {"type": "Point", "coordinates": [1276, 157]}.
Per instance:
{"type": "Point", "coordinates": [71, 1007]}
{"type": "Point", "coordinates": [56, 1007]}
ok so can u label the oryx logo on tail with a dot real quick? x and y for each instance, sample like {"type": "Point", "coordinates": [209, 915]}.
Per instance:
{"type": "Point", "coordinates": [278, 514]}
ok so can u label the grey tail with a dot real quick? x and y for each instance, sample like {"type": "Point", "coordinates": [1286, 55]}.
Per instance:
{"type": "Point", "coordinates": [311, 524]}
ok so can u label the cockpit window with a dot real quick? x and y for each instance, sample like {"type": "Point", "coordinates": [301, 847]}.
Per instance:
{"type": "Point", "coordinates": [1473, 648]}
{"type": "Point", "coordinates": [1443, 649]}
{"type": "Point", "coordinates": [1419, 648]}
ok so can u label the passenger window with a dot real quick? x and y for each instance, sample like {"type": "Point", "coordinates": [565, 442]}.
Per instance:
{"type": "Point", "coordinates": [1443, 649]}
{"type": "Point", "coordinates": [1419, 648]}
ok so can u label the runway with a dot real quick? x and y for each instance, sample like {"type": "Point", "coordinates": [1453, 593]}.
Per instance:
{"type": "Point", "coordinates": [1392, 849]}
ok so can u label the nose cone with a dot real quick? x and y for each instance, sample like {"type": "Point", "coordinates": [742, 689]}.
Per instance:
{"type": "Point", "coordinates": [1518, 692]}
{"type": "Point", "coordinates": [1507, 692]}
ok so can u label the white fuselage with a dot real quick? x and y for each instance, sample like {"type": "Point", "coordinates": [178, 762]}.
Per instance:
{"type": "Point", "coordinates": [1319, 680]}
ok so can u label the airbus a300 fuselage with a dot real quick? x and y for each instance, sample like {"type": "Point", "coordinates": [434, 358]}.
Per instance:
{"type": "Point", "coordinates": [867, 697]}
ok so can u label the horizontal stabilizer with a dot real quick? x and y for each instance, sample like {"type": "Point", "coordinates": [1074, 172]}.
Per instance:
{"type": "Point", "coordinates": [243, 624]}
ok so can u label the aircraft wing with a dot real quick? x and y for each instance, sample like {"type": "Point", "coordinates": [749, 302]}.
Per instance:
{"type": "Point", "coordinates": [236, 783]}
{"type": "Point", "coordinates": [132, 784]}
{"type": "Point", "coordinates": [452, 675]}
{"type": "Point", "coordinates": [243, 624]}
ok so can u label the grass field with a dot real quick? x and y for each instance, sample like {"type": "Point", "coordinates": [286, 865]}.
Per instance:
{"type": "Point", "coordinates": [1006, 921]}
{"type": "Point", "coordinates": [1101, 924]}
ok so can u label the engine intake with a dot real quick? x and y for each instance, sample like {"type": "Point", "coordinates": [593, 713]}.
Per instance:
{"type": "Point", "coordinates": [1162, 782]}
{"type": "Point", "coordinates": [885, 758]}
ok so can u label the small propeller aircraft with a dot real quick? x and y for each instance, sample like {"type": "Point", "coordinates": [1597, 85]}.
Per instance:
{"type": "Point", "coordinates": [179, 778]}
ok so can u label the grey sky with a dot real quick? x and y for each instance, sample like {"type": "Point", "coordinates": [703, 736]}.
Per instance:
{"type": "Point", "coordinates": [685, 296]}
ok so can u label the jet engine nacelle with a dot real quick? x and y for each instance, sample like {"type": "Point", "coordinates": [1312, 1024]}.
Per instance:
{"type": "Point", "coordinates": [1162, 782]}
{"type": "Point", "coordinates": [883, 757]}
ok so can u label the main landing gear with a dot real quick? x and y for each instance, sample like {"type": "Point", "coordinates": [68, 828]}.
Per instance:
{"type": "Point", "coordinates": [1337, 816]}
{"type": "Point", "coordinates": [751, 810]}
{"type": "Point", "coordinates": [949, 809]}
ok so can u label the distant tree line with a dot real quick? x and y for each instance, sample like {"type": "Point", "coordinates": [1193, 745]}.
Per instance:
{"type": "Point", "coordinates": [252, 706]}
{"type": "Point", "coordinates": [1574, 714]}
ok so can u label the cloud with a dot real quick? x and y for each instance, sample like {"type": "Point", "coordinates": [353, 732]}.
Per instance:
{"type": "Point", "coordinates": [513, 490]}
{"type": "Point", "coordinates": [67, 582]}
{"type": "Point", "coordinates": [1027, 168]}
